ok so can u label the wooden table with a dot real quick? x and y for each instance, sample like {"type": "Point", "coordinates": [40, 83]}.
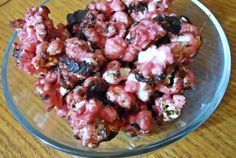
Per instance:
{"type": "Point", "coordinates": [216, 138]}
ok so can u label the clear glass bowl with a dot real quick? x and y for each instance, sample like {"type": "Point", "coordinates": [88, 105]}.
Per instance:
{"type": "Point", "coordinates": [211, 66]}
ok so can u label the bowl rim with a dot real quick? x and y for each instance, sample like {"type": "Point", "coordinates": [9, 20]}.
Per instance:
{"type": "Point", "coordinates": [139, 150]}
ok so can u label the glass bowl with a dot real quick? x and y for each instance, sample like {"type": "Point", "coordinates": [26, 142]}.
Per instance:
{"type": "Point", "coordinates": [211, 67]}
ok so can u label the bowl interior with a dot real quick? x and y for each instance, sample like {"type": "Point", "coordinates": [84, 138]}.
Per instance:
{"type": "Point", "coordinates": [211, 67]}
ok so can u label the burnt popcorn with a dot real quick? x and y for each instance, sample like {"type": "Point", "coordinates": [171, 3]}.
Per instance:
{"type": "Point", "coordinates": [80, 68]}
{"type": "Point", "coordinates": [159, 78]}
{"type": "Point", "coordinates": [74, 21]}
{"type": "Point", "coordinates": [141, 6]}
{"type": "Point", "coordinates": [171, 24]}
{"type": "Point", "coordinates": [73, 66]}
{"type": "Point", "coordinates": [97, 88]}
{"type": "Point", "coordinates": [116, 65]}
{"type": "Point", "coordinates": [76, 17]}
{"type": "Point", "coordinates": [16, 53]}
{"type": "Point", "coordinates": [139, 77]}
{"type": "Point", "coordinates": [163, 40]}
{"type": "Point", "coordinates": [160, 17]}
{"type": "Point", "coordinates": [172, 77]}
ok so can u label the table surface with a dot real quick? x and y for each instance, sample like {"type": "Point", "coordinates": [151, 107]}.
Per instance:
{"type": "Point", "coordinates": [215, 138]}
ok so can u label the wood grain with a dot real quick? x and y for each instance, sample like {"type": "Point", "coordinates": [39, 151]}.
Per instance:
{"type": "Point", "coordinates": [216, 138]}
